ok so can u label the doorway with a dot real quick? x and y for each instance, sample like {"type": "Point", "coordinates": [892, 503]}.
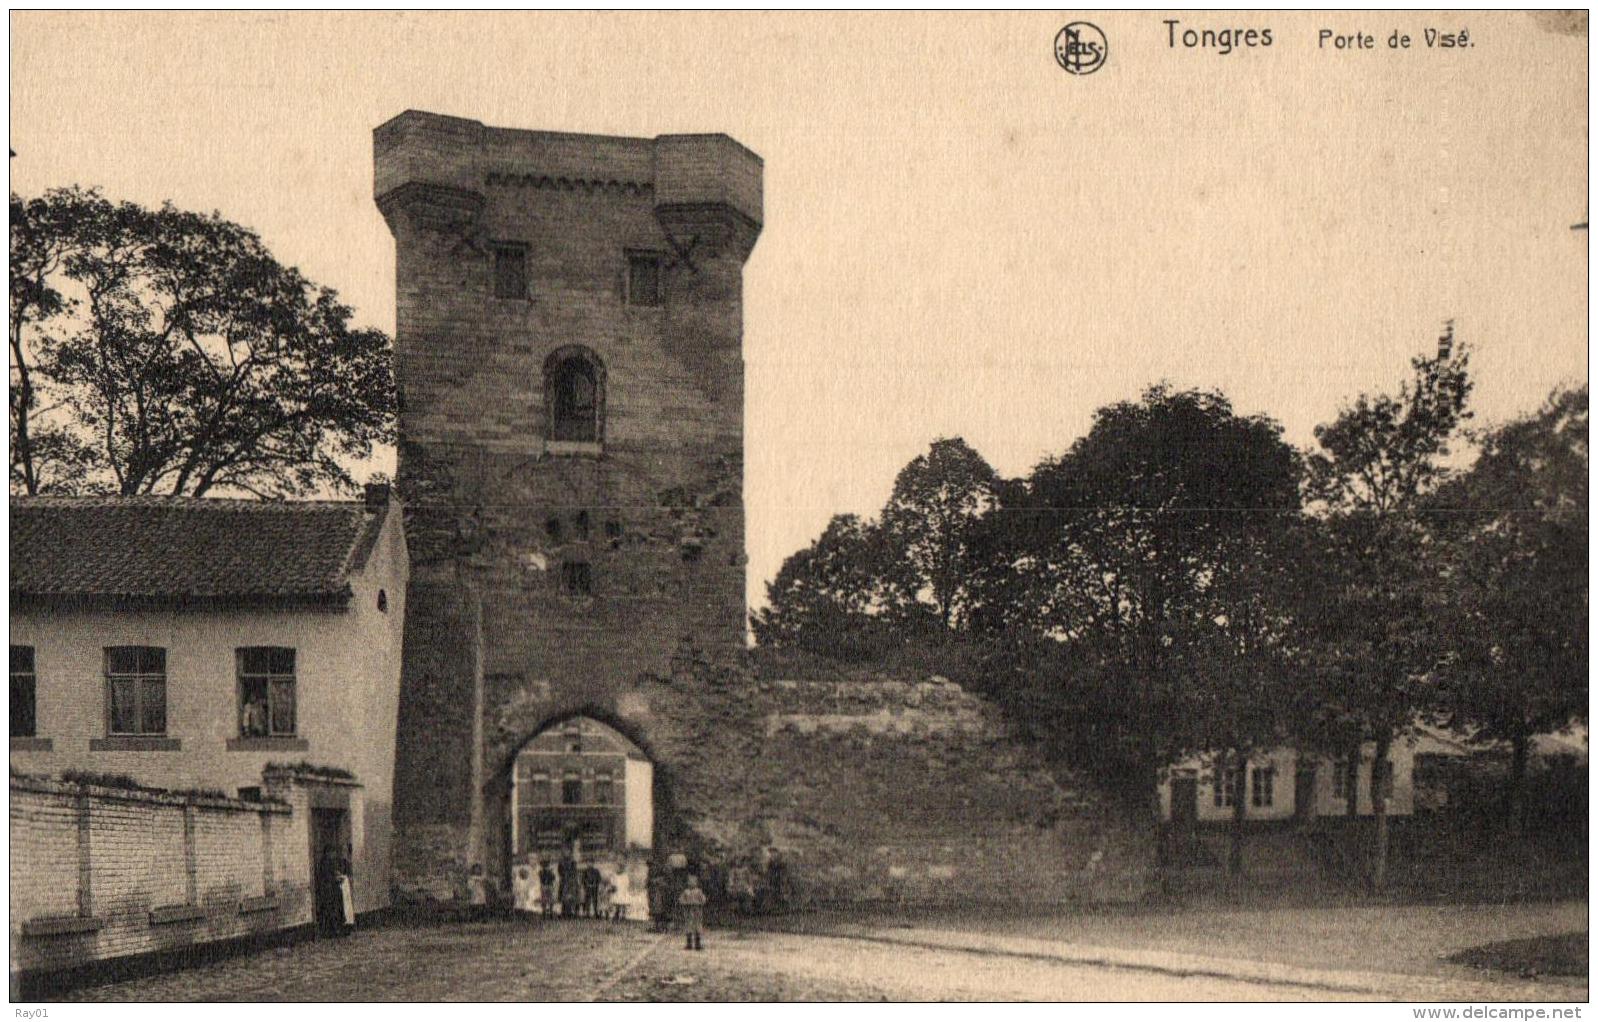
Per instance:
{"type": "Point", "coordinates": [1184, 804]}
{"type": "Point", "coordinates": [330, 846]}
{"type": "Point", "coordinates": [582, 792]}
{"type": "Point", "coordinates": [1304, 778]}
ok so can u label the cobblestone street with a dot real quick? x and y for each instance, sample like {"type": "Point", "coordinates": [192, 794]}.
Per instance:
{"type": "Point", "coordinates": [511, 961]}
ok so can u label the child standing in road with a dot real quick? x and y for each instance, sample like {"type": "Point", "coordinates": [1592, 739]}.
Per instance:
{"type": "Point", "coordinates": [477, 890]}
{"type": "Point", "coordinates": [546, 890]}
{"type": "Point", "coordinates": [621, 896]}
{"type": "Point", "coordinates": [692, 908]}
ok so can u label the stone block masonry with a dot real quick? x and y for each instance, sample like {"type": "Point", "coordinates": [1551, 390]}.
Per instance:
{"type": "Point", "coordinates": [550, 573]}
{"type": "Point", "coordinates": [99, 873]}
{"type": "Point", "coordinates": [876, 788]}
{"type": "Point", "coordinates": [913, 791]}
{"type": "Point", "coordinates": [890, 789]}
{"type": "Point", "coordinates": [604, 575]}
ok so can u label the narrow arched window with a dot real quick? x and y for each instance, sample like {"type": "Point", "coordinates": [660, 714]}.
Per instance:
{"type": "Point", "coordinates": [574, 394]}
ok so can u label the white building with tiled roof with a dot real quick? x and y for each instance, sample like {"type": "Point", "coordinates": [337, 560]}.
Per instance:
{"type": "Point", "coordinates": [188, 643]}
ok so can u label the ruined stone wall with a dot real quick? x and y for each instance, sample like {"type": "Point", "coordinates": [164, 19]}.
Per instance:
{"type": "Point", "coordinates": [875, 788]}
{"type": "Point", "coordinates": [906, 790]}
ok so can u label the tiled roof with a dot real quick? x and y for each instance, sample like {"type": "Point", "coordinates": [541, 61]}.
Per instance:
{"type": "Point", "coordinates": [141, 551]}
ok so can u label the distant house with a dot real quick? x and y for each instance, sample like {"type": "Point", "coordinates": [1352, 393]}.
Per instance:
{"type": "Point", "coordinates": [1284, 784]}
{"type": "Point", "coordinates": [1455, 771]}
{"type": "Point", "coordinates": [581, 783]}
{"type": "Point", "coordinates": [189, 643]}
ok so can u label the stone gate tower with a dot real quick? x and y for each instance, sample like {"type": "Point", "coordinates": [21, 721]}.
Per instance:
{"type": "Point", "coordinates": [570, 366]}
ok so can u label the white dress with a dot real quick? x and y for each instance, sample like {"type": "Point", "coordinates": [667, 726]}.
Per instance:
{"type": "Point", "coordinates": [525, 884]}
{"type": "Point", "coordinates": [346, 891]}
{"type": "Point", "coordinates": [623, 898]}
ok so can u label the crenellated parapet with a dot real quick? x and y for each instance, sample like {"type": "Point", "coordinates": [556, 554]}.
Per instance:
{"type": "Point", "coordinates": [437, 172]}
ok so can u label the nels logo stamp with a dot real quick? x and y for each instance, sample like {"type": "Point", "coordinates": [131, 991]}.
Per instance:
{"type": "Point", "coordinates": [1080, 48]}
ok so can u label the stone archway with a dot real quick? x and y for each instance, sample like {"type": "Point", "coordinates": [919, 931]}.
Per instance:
{"type": "Point", "coordinates": [580, 787]}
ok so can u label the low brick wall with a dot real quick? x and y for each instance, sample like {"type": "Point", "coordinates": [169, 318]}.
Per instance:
{"type": "Point", "coordinates": [100, 873]}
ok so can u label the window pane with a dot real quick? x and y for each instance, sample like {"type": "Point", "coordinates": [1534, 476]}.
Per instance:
{"type": "Point", "coordinates": [282, 707]}
{"type": "Point", "coordinates": [643, 280]}
{"type": "Point", "coordinates": [252, 714]}
{"type": "Point", "coordinates": [122, 659]}
{"type": "Point", "coordinates": [22, 705]}
{"type": "Point", "coordinates": [571, 791]}
{"type": "Point", "coordinates": [510, 272]}
{"type": "Point", "coordinates": [123, 707]}
{"type": "Point", "coordinates": [575, 402]}
{"type": "Point", "coordinates": [152, 660]}
{"type": "Point", "coordinates": [282, 660]}
{"type": "Point", "coordinates": [254, 660]}
{"type": "Point", "coordinates": [21, 659]}
{"type": "Point", "coordinates": [152, 706]}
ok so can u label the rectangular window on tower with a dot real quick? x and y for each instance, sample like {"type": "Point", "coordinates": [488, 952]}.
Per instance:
{"type": "Point", "coordinates": [571, 790]}
{"type": "Point", "coordinates": [643, 278]}
{"type": "Point", "coordinates": [510, 271]}
{"type": "Point", "coordinates": [23, 693]}
{"type": "Point", "coordinates": [576, 578]}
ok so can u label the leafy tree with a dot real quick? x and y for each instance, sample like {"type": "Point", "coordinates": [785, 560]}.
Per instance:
{"type": "Point", "coordinates": [45, 454]}
{"type": "Point", "coordinates": [930, 521]}
{"type": "Point", "coordinates": [1515, 531]}
{"type": "Point", "coordinates": [840, 596]}
{"type": "Point", "coordinates": [162, 351]}
{"type": "Point", "coordinates": [1157, 528]}
{"type": "Point", "coordinates": [1243, 653]}
{"type": "Point", "coordinates": [1385, 451]}
{"type": "Point", "coordinates": [1376, 637]}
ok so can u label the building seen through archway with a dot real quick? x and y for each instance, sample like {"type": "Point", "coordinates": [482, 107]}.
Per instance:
{"type": "Point", "coordinates": [582, 788]}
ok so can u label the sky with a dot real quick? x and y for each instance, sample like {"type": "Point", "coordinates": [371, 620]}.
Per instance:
{"type": "Point", "coordinates": [960, 239]}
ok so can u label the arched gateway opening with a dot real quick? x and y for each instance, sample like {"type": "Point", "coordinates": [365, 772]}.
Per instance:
{"type": "Point", "coordinates": [582, 790]}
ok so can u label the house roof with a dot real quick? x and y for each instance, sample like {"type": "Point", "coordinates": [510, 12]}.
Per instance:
{"type": "Point", "coordinates": [125, 552]}
{"type": "Point", "coordinates": [1431, 740]}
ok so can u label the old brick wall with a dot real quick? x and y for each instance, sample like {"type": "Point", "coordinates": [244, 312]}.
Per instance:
{"type": "Point", "coordinates": [99, 873]}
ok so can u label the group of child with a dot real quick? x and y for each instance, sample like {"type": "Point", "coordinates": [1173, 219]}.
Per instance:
{"type": "Point", "coordinates": [573, 890]}
{"type": "Point", "coordinates": [577, 890]}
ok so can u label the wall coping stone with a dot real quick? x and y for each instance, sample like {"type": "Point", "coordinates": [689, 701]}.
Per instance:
{"type": "Point", "coordinates": [176, 914]}
{"type": "Point", "coordinates": [52, 786]}
{"type": "Point", "coordinates": [55, 926]}
{"type": "Point", "coordinates": [309, 777]}
{"type": "Point", "coordinates": [264, 903]}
